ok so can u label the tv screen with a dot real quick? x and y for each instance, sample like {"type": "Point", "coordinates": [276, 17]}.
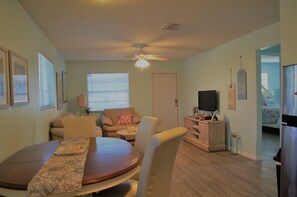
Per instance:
{"type": "Point", "coordinates": [207, 100]}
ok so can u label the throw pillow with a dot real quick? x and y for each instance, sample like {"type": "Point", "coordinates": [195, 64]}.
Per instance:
{"type": "Point", "coordinates": [125, 119]}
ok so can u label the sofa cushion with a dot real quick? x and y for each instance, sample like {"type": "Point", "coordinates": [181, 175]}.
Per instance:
{"type": "Point", "coordinates": [124, 119]}
{"type": "Point", "coordinates": [118, 127]}
{"type": "Point", "coordinates": [59, 122]}
{"type": "Point", "coordinates": [113, 113]}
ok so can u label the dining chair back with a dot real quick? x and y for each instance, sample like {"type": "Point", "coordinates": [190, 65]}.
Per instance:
{"type": "Point", "coordinates": [158, 163]}
{"type": "Point", "coordinates": [156, 170]}
{"type": "Point", "coordinates": [148, 126]}
{"type": "Point", "coordinates": [80, 127]}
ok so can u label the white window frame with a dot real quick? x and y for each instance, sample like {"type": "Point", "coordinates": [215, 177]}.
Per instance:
{"type": "Point", "coordinates": [112, 91]}
{"type": "Point", "coordinates": [47, 86]}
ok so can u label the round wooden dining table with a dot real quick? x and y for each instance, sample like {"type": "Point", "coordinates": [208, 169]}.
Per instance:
{"type": "Point", "coordinates": [109, 162]}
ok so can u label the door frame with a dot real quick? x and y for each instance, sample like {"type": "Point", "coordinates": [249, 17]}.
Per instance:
{"type": "Point", "coordinates": [259, 154]}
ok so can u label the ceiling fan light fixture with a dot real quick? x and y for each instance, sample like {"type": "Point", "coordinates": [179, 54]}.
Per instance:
{"type": "Point", "coordinates": [142, 63]}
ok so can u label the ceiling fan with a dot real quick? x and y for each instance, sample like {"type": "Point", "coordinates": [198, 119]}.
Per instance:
{"type": "Point", "coordinates": [141, 58]}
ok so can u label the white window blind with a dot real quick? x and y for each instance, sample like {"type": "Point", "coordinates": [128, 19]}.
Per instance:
{"type": "Point", "coordinates": [46, 82]}
{"type": "Point", "coordinates": [108, 91]}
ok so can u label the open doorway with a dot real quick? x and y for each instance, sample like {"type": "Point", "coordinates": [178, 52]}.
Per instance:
{"type": "Point", "coordinates": [271, 100]}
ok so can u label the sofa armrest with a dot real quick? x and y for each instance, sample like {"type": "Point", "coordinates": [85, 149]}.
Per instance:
{"type": "Point", "coordinates": [106, 120]}
{"type": "Point", "coordinates": [136, 118]}
{"type": "Point", "coordinates": [59, 122]}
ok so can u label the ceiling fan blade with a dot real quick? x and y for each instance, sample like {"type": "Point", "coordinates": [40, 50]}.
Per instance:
{"type": "Point", "coordinates": [155, 57]}
{"type": "Point", "coordinates": [129, 57]}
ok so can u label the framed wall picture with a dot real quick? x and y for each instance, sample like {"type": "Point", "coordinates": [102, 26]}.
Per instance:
{"type": "Point", "coordinates": [64, 86]}
{"type": "Point", "coordinates": [59, 91]}
{"type": "Point", "coordinates": [19, 80]}
{"type": "Point", "coordinates": [4, 82]}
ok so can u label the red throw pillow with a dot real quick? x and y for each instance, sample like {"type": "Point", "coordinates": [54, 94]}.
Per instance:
{"type": "Point", "coordinates": [125, 119]}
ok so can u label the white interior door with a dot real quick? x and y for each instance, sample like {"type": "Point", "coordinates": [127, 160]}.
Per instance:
{"type": "Point", "coordinates": [165, 99]}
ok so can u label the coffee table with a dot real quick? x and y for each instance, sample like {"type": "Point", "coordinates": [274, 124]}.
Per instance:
{"type": "Point", "coordinates": [127, 135]}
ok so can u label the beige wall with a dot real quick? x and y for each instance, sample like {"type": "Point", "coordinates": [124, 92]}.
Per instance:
{"type": "Point", "coordinates": [140, 82]}
{"type": "Point", "coordinates": [25, 125]}
{"type": "Point", "coordinates": [211, 70]}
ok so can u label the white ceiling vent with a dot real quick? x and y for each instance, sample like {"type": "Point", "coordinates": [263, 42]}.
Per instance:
{"type": "Point", "coordinates": [171, 26]}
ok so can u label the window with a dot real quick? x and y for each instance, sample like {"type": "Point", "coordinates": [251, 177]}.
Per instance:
{"type": "Point", "coordinates": [108, 90]}
{"type": "Point", "coordinates": [46, 82]}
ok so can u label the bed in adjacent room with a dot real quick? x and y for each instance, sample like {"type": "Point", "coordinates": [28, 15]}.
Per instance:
{"type": "Point", "coordinates": [270, 110]}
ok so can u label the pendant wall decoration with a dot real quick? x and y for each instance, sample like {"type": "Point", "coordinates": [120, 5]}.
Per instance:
{"type": "Point", "coordinates": [231, 94]}
{"type": "Point", "coordinates": [241, 83]}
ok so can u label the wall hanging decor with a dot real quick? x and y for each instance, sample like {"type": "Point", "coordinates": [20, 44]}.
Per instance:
{"type": "Point", "coordinates": [4, 82]}
{"type": "Point", "coordinates": [231, 94]}
{"type": "Point", "coordinates": [19, 80]}
{"type": "Point", "coordinates": [241, 83]}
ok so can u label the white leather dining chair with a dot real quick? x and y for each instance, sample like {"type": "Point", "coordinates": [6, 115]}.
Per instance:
{"type": "Point", "coordinates": [157, 166]}
{"type": "Point", "coordinates": [148, 126]}
{"type": "Point", "coordinates": [80, 127]}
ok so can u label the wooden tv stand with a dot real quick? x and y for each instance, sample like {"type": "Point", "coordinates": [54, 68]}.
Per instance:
{"type": "Point", "coordinates": [205, 134]}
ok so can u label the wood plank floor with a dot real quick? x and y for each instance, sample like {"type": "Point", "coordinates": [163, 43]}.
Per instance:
{"type": "Point", "coordinates": [198, 173]}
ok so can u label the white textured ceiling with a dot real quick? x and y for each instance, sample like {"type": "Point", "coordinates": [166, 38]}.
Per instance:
{"type": "Point", "coordinates": [107, 29]}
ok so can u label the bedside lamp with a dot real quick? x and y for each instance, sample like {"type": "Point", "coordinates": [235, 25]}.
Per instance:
{"type": "Point", "coordinates": [81, 102]}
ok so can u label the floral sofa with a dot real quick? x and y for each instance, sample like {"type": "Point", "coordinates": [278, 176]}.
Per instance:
{"type": "Point", "coordinates": [113, 120]}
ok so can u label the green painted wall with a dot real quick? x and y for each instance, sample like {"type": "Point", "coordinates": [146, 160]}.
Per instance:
{"type": "Point", "coordinates": [25, 125]}
{"type": "Point", "coordinates": [211, 70]}
{"type": "Point", "coordinates": [140, 82]}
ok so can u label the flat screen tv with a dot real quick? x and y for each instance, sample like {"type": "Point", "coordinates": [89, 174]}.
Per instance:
{"type": "Point", "coordinates": [207, 100]}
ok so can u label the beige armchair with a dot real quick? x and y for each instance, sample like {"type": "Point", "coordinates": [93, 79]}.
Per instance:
{"type": "Point", "coordinates": [113, 120]}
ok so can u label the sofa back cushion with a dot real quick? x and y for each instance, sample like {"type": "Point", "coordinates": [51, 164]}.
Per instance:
{"type": "Point", "coordinates": [114, 113]}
